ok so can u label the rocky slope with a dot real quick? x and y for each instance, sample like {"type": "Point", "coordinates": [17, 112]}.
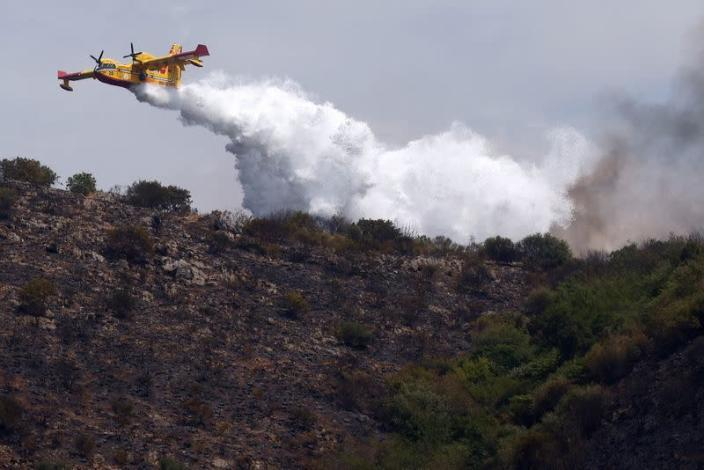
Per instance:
{"type": "Point", "coordinates": [212, 368]}
{"type": "Point", "coordinates": [657, 420]}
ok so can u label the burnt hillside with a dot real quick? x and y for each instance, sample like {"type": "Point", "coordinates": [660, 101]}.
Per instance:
{"type": "Point", "coordinates": [228, 355]}
{"type": "Point", "coordinates": [156, 337]}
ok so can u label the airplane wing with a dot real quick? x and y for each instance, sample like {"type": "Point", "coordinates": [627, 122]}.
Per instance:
{"type": "Point", "coordinates": [75, 76]}
{"type": "Point", "coordinates": [190, 57]}
{"type": "Point", "coordinates": [66, 77]}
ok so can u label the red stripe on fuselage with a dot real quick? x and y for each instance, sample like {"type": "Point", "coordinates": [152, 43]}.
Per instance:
{"type": "Point", "coordinates": [113, 81]}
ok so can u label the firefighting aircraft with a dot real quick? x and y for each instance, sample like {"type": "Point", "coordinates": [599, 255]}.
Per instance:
{"type": "Point", "coordinates": [145, 68]}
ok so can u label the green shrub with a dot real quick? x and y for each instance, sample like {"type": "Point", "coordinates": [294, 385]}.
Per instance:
{"type": "Point", "coordinates": [122, 303]}
{"type": "Point", "coordinates": [355, 335]}
{"type": "Point", "coordinates": [154, 195]}
{"type": "Point", "coordinates": [485, 384]}
{"type": "Point", "coordinates": [436, 420]}
{"type": "Point", "coordinates": [282, 226]}
{"type": "Point", "coordinates": [544, 251]}
{"type": "Point", "coordinates": [613, 357]}
{"type": "Point", "coordinates": [692, 249]}
{"type": "Point", "coordinates": [580, 311]}
{"type": "Point", "coordinates": [677, 314]}
{"type": "Point", "coordinates": [28, 170]}
{"type": "Point", "coordinates": [294, 304]}
{"type": "Point", "coordinates": [8, 198]}
{"type": "Point", "coordinates": [81, 183]}
{"type": "Point", "coordinates": [538, 367]}
{"type": "Point", "coordinates": [419, 411]}
{"type": "Point", "coordinates": [379, 234]}
{"type": "Point", "coordinates": [267, 229]}
{"type": "Point", "coordinates": [10, 414]}
{"type": "Point", "coordinates": [520, 407]}
{"type": "Point", "coordinates": [35, 295]}
{"type": "Point", "coordinates": [502, 341]}
{"type": "Point", "coordinates": [129, 242]}
{"type": "Point", "coordinates": [537, 301]}
{"type": "Point", "coordinates": [378, 230]}
{"type": "Point", "coordinates": [548, 395]}
{"type": "Point", "coordinates": [500, 249]}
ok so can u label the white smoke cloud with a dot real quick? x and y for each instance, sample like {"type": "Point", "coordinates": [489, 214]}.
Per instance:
{"type": "Point", "coordinates": [294, 153]}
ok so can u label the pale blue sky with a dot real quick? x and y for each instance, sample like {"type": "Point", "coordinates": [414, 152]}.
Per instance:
{"type": "Point", "coordinates": [508, 69]}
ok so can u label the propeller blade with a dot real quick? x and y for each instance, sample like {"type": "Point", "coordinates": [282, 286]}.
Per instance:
{"type": "Point", "coordinates": [98, 59]}
{"type": "Point", "coordinates": [132, 53]}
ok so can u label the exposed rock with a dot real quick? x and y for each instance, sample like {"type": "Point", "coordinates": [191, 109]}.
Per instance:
{"type": "Point", "coordinates": [201, 367]}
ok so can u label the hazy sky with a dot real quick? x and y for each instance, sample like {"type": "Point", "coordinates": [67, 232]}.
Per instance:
{"type": "Point", "coordinates": [508, 69]}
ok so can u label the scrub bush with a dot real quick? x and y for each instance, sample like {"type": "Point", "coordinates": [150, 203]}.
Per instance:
{"type": "Point", "coordinates": [81, 183]}
{"type": "Point", "coordinates": [28, 170]}
{"type": "Point", "coordinates": [294, 304]}
{"type": "Point", "coordinates": [501, 249]}
{"type": "Point", "coordinates": [154, 195]}
{"type": "Point", "coordinates": [35, 295]}
{"type": "Point", "coordinates": [355, 335]}
{"type": "Point", "coordinates": [612, 358]}
{"type": "Point", "coordinates": [544, 251]}
{"type": "Point", "coordinates": [122, 303]}
{"type": "Point", "coordinates": [129, 242]}
{"type": "Point", "coordinates": [474, 275]}
{"type": "Point", "coordinates": [8, 198]}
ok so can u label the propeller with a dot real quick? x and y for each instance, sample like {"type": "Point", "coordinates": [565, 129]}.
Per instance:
{"type": "Point", "coordinates": [98, 60]}
{"type": "Point", "coordinates": [133, 54]}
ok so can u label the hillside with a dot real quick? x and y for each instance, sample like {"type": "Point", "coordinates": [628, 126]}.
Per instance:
{"type": "Point", "coordinates": [209, 369]}
{"type": "Point", "coordinates": [143, 338]}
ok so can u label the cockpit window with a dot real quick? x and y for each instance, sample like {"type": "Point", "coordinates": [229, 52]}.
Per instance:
{"type": "Point", "coordinates": [106, 66]}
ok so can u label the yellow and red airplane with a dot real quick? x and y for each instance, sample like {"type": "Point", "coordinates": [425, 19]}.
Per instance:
{"type": "Point", "coordinates": [145, 68]}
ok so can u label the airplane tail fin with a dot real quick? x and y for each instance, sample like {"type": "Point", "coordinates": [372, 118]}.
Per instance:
{"type": "Point", "coordinates": [174, 70]}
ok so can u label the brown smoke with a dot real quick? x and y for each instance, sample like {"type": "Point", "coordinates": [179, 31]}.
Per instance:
{"type": "Point", "coordinates": [648, 183]}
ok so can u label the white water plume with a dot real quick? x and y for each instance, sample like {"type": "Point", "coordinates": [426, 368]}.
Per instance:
{"type": "Point", "coordinates": [294, 153]}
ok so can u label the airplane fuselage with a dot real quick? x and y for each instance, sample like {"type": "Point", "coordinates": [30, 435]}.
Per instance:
{"type": "Point", "coordinates": [122, 75]}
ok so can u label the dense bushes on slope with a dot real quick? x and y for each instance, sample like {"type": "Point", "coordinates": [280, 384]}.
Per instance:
{"type": "Point", "coordinates": [28, 170]}
{"type": "Point", "coordinates": [530, 392]}
{"type": "Point", "coordinates": [537, 252]}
